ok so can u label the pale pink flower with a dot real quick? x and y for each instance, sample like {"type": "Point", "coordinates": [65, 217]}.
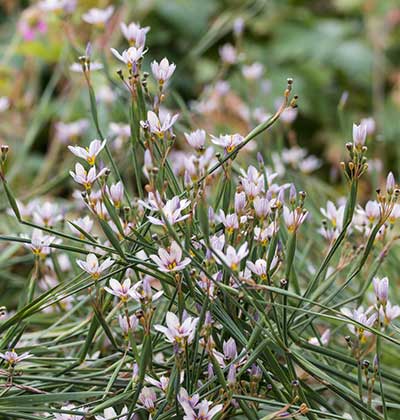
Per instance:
{"type": "Point", "coordinates": [170, 260]}
{"type": "Point", "coordinates": [196, 139]}
{"type": "Point", "coordinates": [121, 290]}
{"type": "Point", "coordinates": [162, 71]}
{"type": "Point", "coordinates": [89, 153]}
{"type": "Point", "coordinates": [359, 134]}
{"type": "Point", "coordinates": [232, 258]}
{"type": "Point", "coordinates": [116, 193]}
{"type": "Point", "coordinates": [158, 125]}
{"type": "Point", "coordinates": [229, 141]}
{"type": "Point", "coordinates": [86, 178]}
{"type": "Point", "coordinates": [97, 16]}
{"type": "Point", "coordinates": [12, 358]}
{"type": "Point", "coordinates": [93, 267]}
{"type": "Point", "coordinates": [134, 33]}
{"type": "Point", "coordinates": [325, 337]}
{"type": "Point", "coordinates": [110, 413]}
{"type": "Point", "coordinates": [130, 56]}
{"type": "Point", "coordinates": [85, 223]}
{"type": "Point", "coordinates": [381, 289]}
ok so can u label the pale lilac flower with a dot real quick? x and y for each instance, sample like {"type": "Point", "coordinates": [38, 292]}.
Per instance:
{"type": "Point", "coordinates": [185, 398]}
{"type": "Point", "coordinates": [230, 349]}
{"type": "Point", "coordinates": [202, 411]}
{"type": "Point", "coordinates": [162, 71]}
{"type": "Point", "coordinates": [40, 243]}
{"type": "Point", "coordinates": [261, 207]}
{"type": "Point", "coordinates": [230, 221]}
{"type": "Point", "coordinates": [85, 223]}
{"type": "Point", "coordinates": [121, 290]}
{"type": "Point", "coordinates": [373, 211]}
{"type": "Point", "coordinates": [97, 16]}
{"type": "Point", "coordinates": [47, 214]}
{"type": "Point", "coordinates": [359, 134]}
{"type": "Point", "coordinates": [178, 333]}
{"type": "Point", "coordinates": [57, 5]}
{"type": "Point", "coordinates": [395, 214]}
{"type": "Point", "coordinates": [130, 56]}
{"type": "Point", "coordinates": [231, 377]}
{"type": "Point", "coordinates": [4, 103]}
{"type": "Point", "coordinates": [170, 260]}
{"type": "Point", "coordinates": [162, 384]}
{"type": "Point", "coordinates": [294, 218]}
{"type": "Point", "coordinates": [334, 214]}
{"type": "Point", "coordinates": [142, 293]}
{"type": "Point", "coordinates": [253, 71]}
{"type": "Point", "coordinates": [232, 258]}
{"type": "Point", "coordinates": [134, 34]}
{"type": "Point", "coordinates": [68, 132]}
{"type": "Point", "coordinates": [89, 153]}
{"type": "Point", "coordinates": [228, 141]}
{"type": "Point", "coordinates": [158, 125]}
{"type": "Point", "coordinates": [172, 211]}
{"type": "Point", "coordinates": [64, 416]}
{"type": "Point", "coordinates": [110, 413]}
{"type": "Point", "coordinates": [116, 193]}
{"type": "Point", "coordinates": [196, 139]}
{"type": "Point", "coordinates": [259, 268]}
{"type": "Point", "coordinates": [127, 325]}
{"type": "Point", "coordinates": [86, 178]}
{"type": "Point", "coordinates": [390, 183]}
{"type": "Point", "coordinates": [12, 358]}
{"type": "Point", "coordinates": [389, 313]}
{"type": "Point", "coordinates": [309, 164]}
{"type": "Point", "coordinates": [369, 124]}
{"type": "Point", "coordinates": [91, 66]}
{"type": "Point", "coordinates": [240, 202]}
{"type": "Point", "coordinates": [293, 155]}
{"type": "Point", "coordinates": [360, 316]}
{"type": "Point", "coordinates": [148, 398]}
{"type": "Point", "coordinates": [264, 235]}
{"type": "Point", "coordinates": [325, 337]}
{"type": "Point", "coordinates": [228, 54]}
{"type": "Point", "coordinates": [288, 115]}
{"type": "Point", "coordinates": [92, 266]}
{"type": "Point", "coordinates": [381, 289]}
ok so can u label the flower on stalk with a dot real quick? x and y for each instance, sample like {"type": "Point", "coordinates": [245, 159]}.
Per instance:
{"type": "Point", "coordinates": [176, 333]}
{"type": "Point", "coordinates": [47, 214]}
{"type": "Point", "coordinates": [162, 384]}
{"type": "Point", "coordinates": [40, 243]}
{"type": "Point", "coordinates": [131, 56]}
{"type": "Point", "coordinates": [202, 411]}
{"type": "Point", "coordinates": [196, 139]}
{"type": "Point", "coordinates": [142, 292]}
{"type": "Point", "coordinates": [294, 218]}
{"type": "Point", "coordinates": [261, 207]}
{"type": "Point", "coordinates": [12, 358]}
{"type": "Point", "coordinates": [230, 221]}
{"type": "Point", "coordinates": [232, 258]}
{"type": "Point", "coordinates": [162, 71]}
{"type": "Point", "coordinates": [360, 316]}
{"type": "Point", "coordinates": [395, 213]}
{"type": "Point", "coordinates": [158, 125]}
{"type": "Point", "coordinates": [381, 289]}
{"type": "Point", "coordinates": [170, 260]}
{"type": "Point", "coordinates": [359, 135]}
{"type": "Point", "coordinates": [134, 33]}
{"type": "Point", "coordinates": [228, 141]}
{"type": "Point", "coordinates": [264, 235]}
{"type": "Point", "coordinates": [86, 178]}
{"type": "Point", "coordinates": [121, 290]}
{"type": "Point", "coordinates": [89, 153]}
{"type": "Point", "coordinates": [110, 413]}
{"type": "Point", "coordinates": [324, 339]}
{"type": "Point", "coordinates": [97, 16]}
{"type": "Point", "coordinates": [259, 268]}
{"type": "Point", "coordinates": [92, 266]}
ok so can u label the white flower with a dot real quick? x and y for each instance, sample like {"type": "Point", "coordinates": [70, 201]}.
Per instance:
{"type": "Point", "coordinates": [130, 56]}
{"type": "Point", "coordinates": [64, 416]}
{"type": "Point", "coordinates": [360, 316]}
{"type": "Point", "coordinates": [92, 66]}
{"type": "Point", "coordinates": [170, 260]}
{"type": "Point", "coordinates": [162, 71]}
{"type": "Point", "coordinates": [178, 333]}
{"type": "Point", "coordinates": [232, 258]}
{"type": "Point", "coordinates": [4, 103]}
{"type": "Point", "coordinates": [147, 398]}
{"type": "Point", "coordinates": [66, 132]}
{"type": "Point", "coordinates": [116, 193]}
{"type": "Point", "coordinates": [98, 16]}
{"type": "Point", "coordinates": [89, 153]}
{"type": "Point", "coordinates": [261, 207]}
{"type": "Point", "coordinates": [160, 125]}
{"type": "Point", "coordinates": [294, 218]}
{"type": "Point", "coordinates": [86, 178]}
{"type": "Point", "coordinates": [47, 214]}
{"type": "Point", "coordinates": [121, 290]}
{"type": "Point", "coordinates": [134, 34]}
{"type": "Point", "coordinates": [40, 243]}
{"type": "Point", "coordinates": [142, 293]}
{"type": "Point", "coordinates": [389, 313]}
{"type": "Point", "coordinates": [309, 164]}
{"type": "Point", "coordinates": [171, 211]}
{"type": "Point", "coordinates": [92, 266]}
{"type": "Point", "coordinates": [259, 268]}
{"type": "Point", "coordinates": [381, 289]}
{"type": "Point", "coordinates": [57, 5]}
{"type": "Point", "coordinates": [229, 141]}
{"type": "Point", "coordinates": [202, 410]}
{"type": "Point", "coordinates": [293, 155]}
{"type": "Point", "coordinates": [162, 384]}
{"type": "Point", "coordinates": [230, 221]}
{"type": "Point", "coordinates": [128, 324]}
{"type": "Point", "coordinates": [196, 139]}
{"type": "Point", "coordinates": [85, 223]}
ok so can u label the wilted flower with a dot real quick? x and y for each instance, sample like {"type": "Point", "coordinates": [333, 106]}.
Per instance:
{"type": "Point", "coordinates": [169, 260]}
{"type": "Point", "coordinates": [89, 153]}
{"type": "Point", "coordinates": [162, 384]}
{"type": "Point", "coordinates": [98, 16]}
{"type": "Point", "coordinates": [92, 266]}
